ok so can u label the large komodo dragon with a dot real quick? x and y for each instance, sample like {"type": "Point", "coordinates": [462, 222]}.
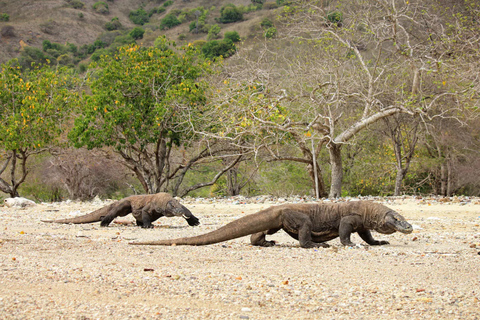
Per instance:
{"type": "Point", "coordinates": [145, 208]}
{"type": "Point", "coordinates": [311, 224]}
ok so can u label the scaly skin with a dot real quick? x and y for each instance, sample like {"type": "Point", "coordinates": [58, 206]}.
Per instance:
{"type": "Point", "coordinates": [145, 208]}
{"type": "Point", "coordinates": [311, 224]}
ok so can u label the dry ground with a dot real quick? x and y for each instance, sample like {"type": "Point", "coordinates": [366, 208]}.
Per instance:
{"type": "Point", "coordinates": [87, 272]}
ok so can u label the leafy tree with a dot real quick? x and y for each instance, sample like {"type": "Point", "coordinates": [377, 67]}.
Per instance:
{"type": "Point", "coordinates": [137, 106]}
{"type": "Point", "coordinates": [213, 32]}
{"type": "Point", "coordinates": [34, 109]}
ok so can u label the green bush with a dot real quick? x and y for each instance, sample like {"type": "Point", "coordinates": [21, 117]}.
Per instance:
{"type": "Point", "coordinates": [270, 32]}
{"type": "Point", "coordinates": [232, 36]}
{"type": "Point", "coordinates": [153, 11]}
{"type": "Point", "coordinates": [335, 18]}
{"type": "Point", "coordinates": [230, 13]}
{"type": "Point", "coordinates": [31, 55]}
{"type": "Point", "coordinates": [4, 17]}
{"type": "Point", "coordinates": [266, 23]}
{"type": "Point", "coordinates": [169, 21]}
{"type": "Point", "coordinates": [137, 33]}
{"type": "Point", "coordinates": [101, 7]}
{"type": "Point", "coordinates": [217, 48]}
{"type": "Point", "coordinates": [182, 36]}
{"type": "Point", "coordinates": [270, 5]}
{"type": "Point", "coordinates": [168, 3]}
{"type": "Point", "coordinates": [139, 16]}
{"type": "Point", "coordinates": [214, 32]}
{"type": "Point", "coordinates": [114, 24]}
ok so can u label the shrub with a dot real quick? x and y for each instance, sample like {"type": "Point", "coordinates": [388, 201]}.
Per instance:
{"type": "Point", "coordinates": [4, 17]}
{"type": "Point", "coordinates": [335, 18]}
{"type": "Point", "coordinates": [169, 21]}
{"type": "Point", "coordinates": [48, 27]}
{"type": "Point", "coordinates": [168, 3]}
{"type": "Point", "coordinates": [217, 48]}
{"type": "Point", "coordinates": [31, 55]}
{"type": "Point", "coordinates": [213, 32]}
{"type": "Point", "coordinates": [114, 24]}
{"type": "Point", "coordinates": [76, 4]}
{"type": "Point", "coordinates": [101, 7]}
{"type": "Point", "coordinates": [232, 36]}
{"type": "Point", "coordinates": [199, 43]}
{"type": "Point", "coordinates": [182, 36]}
{"type": "Point", "coordinates": [7, 31]}
{"type": "Point", "coordinates": [270, 32]}
{"type": "Point", "coordinates": [266, 23]}
{"type": "Point", "coordinates": [139, 16]}
{"type": "Point", "coordinates": [137, 33]}
{"type": "Point", "coordinates": [230, 13]}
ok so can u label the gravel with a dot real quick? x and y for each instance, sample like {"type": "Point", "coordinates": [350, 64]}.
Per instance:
{"type": "Point", "coordinates": [55, 271]}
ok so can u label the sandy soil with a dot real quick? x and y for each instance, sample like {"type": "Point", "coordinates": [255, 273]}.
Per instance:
{"type": "Point", "coordinates": [88, 272]}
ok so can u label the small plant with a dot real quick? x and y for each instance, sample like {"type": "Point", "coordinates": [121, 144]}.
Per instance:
{"type": "Point", "coordinates": [80, 15]}
{"type": "Point", "coordinates": [139, 16]}
{"type": "Point", "coordinates": [101, 7]}
{"type": "Point", "coordinates": [335, 18]}
{"type": "Point", "coordinates": [169, 21]}
{"type": "Point", "coordinates": [232, 36]}
{"type": "Point", "coordinates": [266, 23]}
{"type": "Point", "coordinates": [270, 32]}
{"type": "Point", "coordinates": [114, 24]}
{"type": "Point", "coordinates": [4, 17]}
{"type": "Point", "coordinates": [137, 33]}
{"type": "Point", "coordinates": [213, 32]}
{"type": "Point", "coordinates": [168, 3]}
{"type": "Point", "coordinates": [182, 36]}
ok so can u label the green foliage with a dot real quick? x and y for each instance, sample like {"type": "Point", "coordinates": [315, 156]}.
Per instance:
{"type": "Point", "coordinates": [266, 23]}
{"type": "Point", "coordinates": [101, 7]}
{"type": "Point", "coordinates": [214, 32]}
{"type": "Point", "coordinates": [270, 33]}
{"type": "Point", "coordinates": [137, 33]}
{"type": "Point", "coordinates": [139, 16]}
{"type": "Point", "coordinates": [168, 3]}
{"type": "Point", "coordinates": [32, 55]}
{"type": "Point", "coordinates": [130, 102]}
{"type": "Point", "coordinates": [232, 36]}
{"type": "Point", "coordinates": [169, 21]}
{"type": "Point", "coordinates": [270, 5]}
{"type": "Point", "coordinates": [114, 24]}
{"type": "Point", "coordinates": [34, 105]}
{"type": "Point", "coordinates": [284, 179]}
{"type": "Point", "coordinates": [335, 18]}
{"type": "Point", "coordinates": [216, 48]}
{"type": "Point", "coordinates": [258, 1]}
{"type": "Point", "coordinates": [230, 13]}
{"type": "Point", "coordinates": [4, 17]}
{"type": "Point", "coordinates": [157, 10]}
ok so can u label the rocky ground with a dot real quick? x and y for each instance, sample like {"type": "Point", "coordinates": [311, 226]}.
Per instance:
{"type": "Point", "coordinates": [52, 271]}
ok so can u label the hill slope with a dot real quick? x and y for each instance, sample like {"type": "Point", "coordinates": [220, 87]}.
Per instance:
{"type": "Point", "coordinates": [33, 21]}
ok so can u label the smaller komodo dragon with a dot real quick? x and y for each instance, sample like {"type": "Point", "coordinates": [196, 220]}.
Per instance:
{"type": "Point", "coordinates": [311, 224]}
{"type": "Point", "coordinates": [145, 208]}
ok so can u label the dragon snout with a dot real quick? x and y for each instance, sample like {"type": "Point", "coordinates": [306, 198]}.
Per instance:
{"type": "Point", "coordinates": [404, 227]}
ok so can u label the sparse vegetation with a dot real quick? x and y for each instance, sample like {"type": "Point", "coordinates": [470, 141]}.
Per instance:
{"type": "Point", "coordinates": [4, 17]}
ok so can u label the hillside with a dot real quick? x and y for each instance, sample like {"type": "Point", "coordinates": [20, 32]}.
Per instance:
{"type": "Point", "coordinates": [30, 22]}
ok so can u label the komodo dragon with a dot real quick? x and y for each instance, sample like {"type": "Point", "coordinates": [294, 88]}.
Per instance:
{"type": "Point", "coordinates": [145, 208]}
{"type": "Point", "coordinates": [311, 224]}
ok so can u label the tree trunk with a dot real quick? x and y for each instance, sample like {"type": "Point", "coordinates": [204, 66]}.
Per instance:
{"type": "Point", "coordinates": [233, 187]}
{"type": "Point", "coordinates": [321, 184]}
{"type": "Point", "coordinates": [399, 180]}
{"type": "Point", "coordinates": [337, 170]}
